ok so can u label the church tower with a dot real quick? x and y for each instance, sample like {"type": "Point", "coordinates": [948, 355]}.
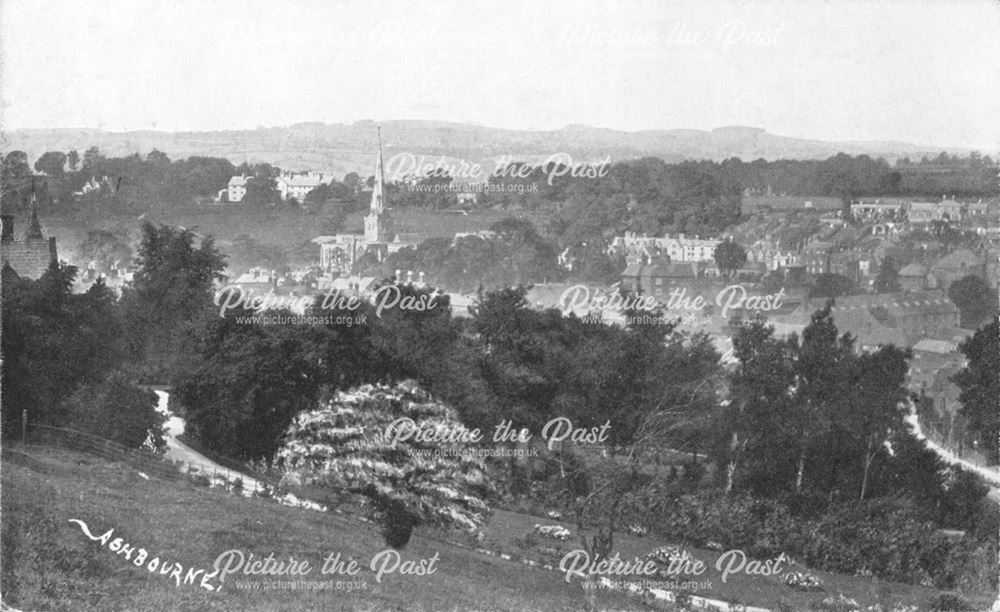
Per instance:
{"type": "Point", "coordinates": [377, 225]}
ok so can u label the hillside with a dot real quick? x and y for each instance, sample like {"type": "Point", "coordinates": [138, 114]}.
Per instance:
{"type": "Point", "coordinates": [51, 565]}
{"type": "Point", "coordinates": [342, 148]}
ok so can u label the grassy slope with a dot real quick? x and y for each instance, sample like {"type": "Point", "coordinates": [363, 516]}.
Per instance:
{"type": "Point", "coordinates": [761, 591]}
{"type": "Point", "coordinates": [50, 565]}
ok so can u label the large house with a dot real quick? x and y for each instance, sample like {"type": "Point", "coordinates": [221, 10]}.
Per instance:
{"type": "Point", "coordinates": [896, 318]}
{"type": "Point", "coordinates": [927, 212]}
{"type": "Point", "coordinates": [678, 248]}
{"type": "Point", "coordinates": [237, 188]}
{"type": "Point", "coordinates": [816, 256]}
{"type": "Point", "coordinates": [32, 254]}
{"type": "Point", "coordinates": [298, 184]}
{"type": "Point", "coordinates": [659, 278]}
{"type": "Point", "coordinates": [956, 265]}
{"type": "Point", "coordinates": [878, 209]}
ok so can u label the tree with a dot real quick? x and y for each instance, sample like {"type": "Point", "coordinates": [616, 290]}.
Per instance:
{"type": "Point", "coordinates": [831, 286]}
{"type": "Point", "coordinates": [74, 160]}
{"type": "Point", "coordinates": [887, 280]}
{"type": "Point", "coordinates": [877, 391]}
{"type": "Point", "coordinates": [262, 191]}
{"type": "Point", "coordinates": [92, 160]}
{"type": "Point", "coordinates": [243, 383]}
{"type": "Point", "coordinates": [51, 163]}
{"type": "Point", "coordinates": [820, 366]}
{"type": "Point", "coordinates": [979, 382]}
{"type": "Point", "coordinates": [352, 181]}
{"type": "Point", "coordinates": [106, 248]}
{"type": "Point", "coordinates": [759, 406]}
{"type": "Point", "coordinates": [172, 288]}
{"type": "Point", "coordinates": [347, 444]}
{"type": "Point", "coordinates": [325, 194]}
{"type": "Point", "coordinates": [118, 410]}
{"type": "Point", "coordinates": [729, 257]}
{"type": "Point", "coordinates": [15, 165]}
{"type": "Point", "coordinates": [976, 301]}
{"type": "Point", "coordinates": [54, 340]}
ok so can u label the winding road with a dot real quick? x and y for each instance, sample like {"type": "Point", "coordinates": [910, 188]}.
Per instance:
{"type": "Point", "coordinates": [991, 476]}
{"type": "Point", "coordinates": [192, 459]}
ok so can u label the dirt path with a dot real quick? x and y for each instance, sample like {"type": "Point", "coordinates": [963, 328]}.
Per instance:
{"type": "Point", "coordinates": [991, 476]}
{"type": "Point", "coordinates": [193, 460]}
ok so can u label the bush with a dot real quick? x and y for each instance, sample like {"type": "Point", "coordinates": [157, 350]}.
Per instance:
{"type": "Point", "coordinates": [117, 410]}
{"type": "Point", "coordinates": [879, 537]}
{"type": "Point", "coordinates": [838, 603]}
{"type": "Point", "coordinates": [948, 602]}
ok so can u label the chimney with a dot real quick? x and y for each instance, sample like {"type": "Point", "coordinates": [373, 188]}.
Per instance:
{"type": "Point", "coordinates": [7, 227]}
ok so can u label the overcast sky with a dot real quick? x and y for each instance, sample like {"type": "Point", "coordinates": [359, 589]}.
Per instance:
{"type": "Point", "coordinates": [925, 72]}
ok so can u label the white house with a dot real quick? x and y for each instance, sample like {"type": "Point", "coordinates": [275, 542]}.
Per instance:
{"type": "Point", "coordinates": [237, 188]}
{"type": "Point", "coordinates": [298, 184]}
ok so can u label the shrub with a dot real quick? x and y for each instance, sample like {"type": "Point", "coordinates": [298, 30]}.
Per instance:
{"type": "Point", "coordinates": [555, 532]}
{"type": "Point", "coordinates": [838, 603]}
{"type": "Point", "coordinates": [880, 537]}
{"type": "Point", "coordinates": [803, 581]}
{"type": "Point", "coordinates": [117, 410]}
{"type": "Point", "coordinates": [949, 602]}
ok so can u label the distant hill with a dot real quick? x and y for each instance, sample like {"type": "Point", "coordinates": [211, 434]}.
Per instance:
{"type": "Point", "coordinates": [342, 148]}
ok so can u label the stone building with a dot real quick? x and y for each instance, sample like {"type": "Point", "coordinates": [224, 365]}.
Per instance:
{"type": "Point", "coordinates": [30, 255]}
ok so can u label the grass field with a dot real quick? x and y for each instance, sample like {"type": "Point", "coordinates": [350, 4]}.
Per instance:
{"type": "Point", "coordinates": [49, 564]}
{"type": "Point", "coordinates": [760, 591]}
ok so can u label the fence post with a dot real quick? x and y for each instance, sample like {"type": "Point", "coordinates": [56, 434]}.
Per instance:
{"type": "Point", "coordinates": [24, 426]}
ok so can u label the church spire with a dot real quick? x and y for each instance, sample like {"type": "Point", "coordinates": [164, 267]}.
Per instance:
{"type": "Point", "coordinates": [377, 223]}
{"type": "Point", "coordinates": [34, 231]}
{"type": "Point", "coordinates": [378, 189]}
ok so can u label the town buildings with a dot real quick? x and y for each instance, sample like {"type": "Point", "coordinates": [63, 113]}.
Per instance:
{"type": "Point", "coordinates": [338, 253]}
{"type": "Point", "coordinates": [677, 248]}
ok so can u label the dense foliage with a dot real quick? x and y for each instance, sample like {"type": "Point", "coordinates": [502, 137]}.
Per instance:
{"type": "Point", "coordinates": [980, 385]}
{"type": "Point", "coordinates": [172, 288]}
{"type": "Point", "coordinates": [347, 444]}
{"type": "Point", "coordinates": [514, 253]}
{"type": "Point", "coordinates": [65, 360]}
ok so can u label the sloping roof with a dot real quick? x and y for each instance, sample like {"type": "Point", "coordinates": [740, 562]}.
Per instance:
{"type": "Point", "coordinates": [302, 180]}
{"type": "Point", "coordinates": [676, 269]}
{"type": "Point", "coordinates": [323, 239]}
{"type": "Point", "coordinates": [34, 231]}
{"type": "Point", "coordinates": [407, 238]}
{"type": "Point", "coordinates": [819, 245]}
{"type": "Point", "coordinates": [239, 181]}
{"type": "Point", "coordinates": [935, 346]}
{"type": "Point", "coordinates": [958, 258]}
{"type": "Point", "coordinates": [913, 269]}
{"type": "Point", "coordinates": [547, 295]}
